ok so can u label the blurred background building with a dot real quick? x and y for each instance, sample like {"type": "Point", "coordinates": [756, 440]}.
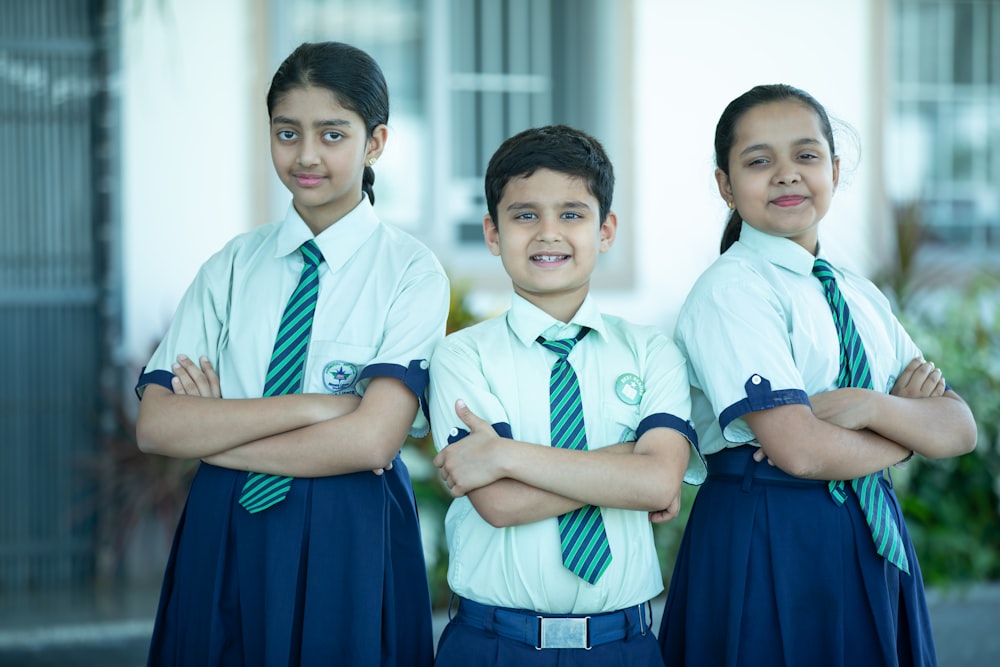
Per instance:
{"type": "Point", "coordinates": [134, 144]}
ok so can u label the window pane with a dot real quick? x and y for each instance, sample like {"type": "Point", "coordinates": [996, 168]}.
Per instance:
{"type": "Point", "coordinates": [963, 44]}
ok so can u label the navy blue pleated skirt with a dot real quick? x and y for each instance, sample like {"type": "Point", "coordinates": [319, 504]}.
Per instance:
{"type": "Point", "coordinates": [332, 575]}
{"type": "Point", "coordinates": [771, 571]}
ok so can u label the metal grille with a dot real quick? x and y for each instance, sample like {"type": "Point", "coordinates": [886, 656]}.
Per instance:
{"type": "Point", "coordinates": [51, 209]}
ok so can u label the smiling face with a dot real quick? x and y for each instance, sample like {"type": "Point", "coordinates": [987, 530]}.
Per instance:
{"type": "Point", "coordinates": [319, 149]}
{"type": "Point", "coordinates": [548, 234]}
{"type": "Point", "coordinates": [781, 174]}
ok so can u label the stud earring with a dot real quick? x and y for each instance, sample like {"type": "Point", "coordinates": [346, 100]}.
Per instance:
{"type": "Point", "coordinates": [730, 205]}
{"type": "Point", "coordinates": [371, 162]}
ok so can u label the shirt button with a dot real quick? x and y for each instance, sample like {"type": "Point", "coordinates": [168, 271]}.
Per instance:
{"type": "Point", "coordinates": [755, 379]}
{"type": "Point", "coordinates": [424, 364]}
{"type": "Point", "coordinates": [453, 432]}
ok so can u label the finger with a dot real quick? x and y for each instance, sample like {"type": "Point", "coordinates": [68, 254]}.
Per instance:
{"type": "Point", "coordinates": [468, 417]}
{"type": "Point", "coordinates": [378, 471]}
{"type": "Point", "coordinates": [940, 388]}
{"type": "Point", "coordinates": [759, 455]}
{"type": "Point", "coordinates": [182, 375]}
{"type": "Point", "coordinates": [177, 385]}
{"type": "Point", "coordinates": [930, 382]}
{"type": "Point", "coordinates": [198, 383]}
{"type": "Point", "coordinates": [212, 377]}
{"type": "Point", "coordinates": [907, 374]}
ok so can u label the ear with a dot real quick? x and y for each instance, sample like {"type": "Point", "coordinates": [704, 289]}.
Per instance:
{"type": "Point", "coordinates": [836, 171]}
{"type": "Point", "coordinates": [492, 235]}
{"type": "Point", "coordinates": [609, 230]}
{"type": "Point", "coordinates": [725, 186]}
{"type": "Point", "coordinates": [376, 143]}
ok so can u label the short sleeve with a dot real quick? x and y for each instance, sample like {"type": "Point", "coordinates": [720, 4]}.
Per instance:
{"type": "Point", "coordinates": [415, 322]}
{"type": "Point", "coordinates": [736, 338]}
{"type": "Point", "coordinates": [199, 324]}
{"type": "Point", "coordinates": [666, 401]}
{"type": "Point", "coordinates": [456, 373]}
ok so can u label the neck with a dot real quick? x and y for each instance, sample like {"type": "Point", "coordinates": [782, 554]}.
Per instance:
{"type": "Point", "coordinates": [562, 307]}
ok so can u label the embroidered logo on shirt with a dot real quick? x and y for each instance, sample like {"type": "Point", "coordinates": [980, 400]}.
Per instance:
{"type": "Point", "coordinates": [629, 388]}
{"type": "Point", "coordinates": [339, 376]}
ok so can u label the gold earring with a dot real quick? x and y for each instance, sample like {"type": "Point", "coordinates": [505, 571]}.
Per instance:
{"type": "Point", "coordinates": [730, 205]}
{"type": "Point", "coordinates": [371, 162]}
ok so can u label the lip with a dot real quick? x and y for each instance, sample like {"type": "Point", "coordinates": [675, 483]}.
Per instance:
{"type": "Point", "coordinates": [307, 180]}
{"type": "Point", "coordinates": [786, 201]}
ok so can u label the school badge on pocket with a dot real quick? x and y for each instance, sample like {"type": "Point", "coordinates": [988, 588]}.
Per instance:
{"type": "Point", "coordinates": [339, 376]}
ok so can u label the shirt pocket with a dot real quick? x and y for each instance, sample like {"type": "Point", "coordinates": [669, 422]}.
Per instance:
{"type": "Point", "coordinates": [621, 422]}
{"type": "Point", "coordinates": [334, 367]}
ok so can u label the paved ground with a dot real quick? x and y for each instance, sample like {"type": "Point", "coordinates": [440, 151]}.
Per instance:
{"type": "Point", "coordinates": [111, 629]}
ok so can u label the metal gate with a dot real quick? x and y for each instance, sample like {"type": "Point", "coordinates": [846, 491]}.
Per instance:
{"type": "Point", "coordinates": [55, 226]}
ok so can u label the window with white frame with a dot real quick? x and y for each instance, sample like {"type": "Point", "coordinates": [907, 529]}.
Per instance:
{"type": "Point", "coordinates": [464, 75]}
{"type": "Point", "coordinates": [944, 151]}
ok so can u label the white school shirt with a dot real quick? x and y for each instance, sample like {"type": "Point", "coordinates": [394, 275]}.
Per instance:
{"type": "Point", "coordinates": [382, 305]}
{"type": "Point", "coordinates": [758, 333]}
{"type": "Point", "coordinates": [631, 379]}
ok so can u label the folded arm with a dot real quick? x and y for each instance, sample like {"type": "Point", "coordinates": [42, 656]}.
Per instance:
{"type": "Point", "coordinates": [303, 435]}
{"type": "Point", "coordinates": [850, 432]}
{"type": "Point", "coordinates": [511, 482]}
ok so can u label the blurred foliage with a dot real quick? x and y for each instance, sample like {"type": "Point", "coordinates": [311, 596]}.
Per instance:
{"type": "Point", "coordinates": [952, 506]}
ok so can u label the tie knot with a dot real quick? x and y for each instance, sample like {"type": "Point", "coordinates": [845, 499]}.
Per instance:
{"type": "Point", "coordinates": [563, 346]}
{"type": "Point", "coordinates": [311, 253]}
{"type": "Point", "coordinates": [823, 270]}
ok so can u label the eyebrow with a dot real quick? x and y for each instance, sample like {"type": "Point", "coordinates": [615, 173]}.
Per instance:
{"type": "Point", "coordinates": [527, 205]}
{"type": "Point", "coordinates": [332, 122]}
{"type": "Point", "coordinates": [805, 141]}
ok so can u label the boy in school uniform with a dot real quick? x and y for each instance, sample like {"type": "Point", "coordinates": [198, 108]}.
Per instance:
{"type": "Point", "coordinates": [562, 432]}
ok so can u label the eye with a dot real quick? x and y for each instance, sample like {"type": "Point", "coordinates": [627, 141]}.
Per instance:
{"type": "Point", "coordinates": [572, 215]}
{"type": "Point", "coordinates": [525, 216]}
{"type": "Point", "coordinates": [757, 162]}
{"type": "Point", "coordinates": [808, 156]}
{"type": "Point", "coordinates": [332, 136]}
{"type": "Point", "coordinates": [286, 135]}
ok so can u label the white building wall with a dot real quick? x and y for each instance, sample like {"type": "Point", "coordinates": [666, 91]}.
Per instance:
{"type": "Point", "coordinates": [196, 171]}
{"type": "Point", "coordinates": [187, 106]}
{"type": "Point", "coordinates": [692, 59]}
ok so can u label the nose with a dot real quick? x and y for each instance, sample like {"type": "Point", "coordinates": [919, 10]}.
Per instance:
{"type": "Point", "coordinates": [308, 156]}
{"type": "Point", "coordinates": [548, 229]}
{"type": "Point", "coordinates": [787, 173]}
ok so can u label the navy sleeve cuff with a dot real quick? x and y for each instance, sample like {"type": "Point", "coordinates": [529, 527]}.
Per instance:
{"type": "Point", "coordinates": [502, 429]}
{"type": "Point", "coordinates": [414, 376]}
{"type": "Point", "coordinates": [760, 396]}
{"type": "Point", "coordinates": [662, 419]}
{"type": "Point", "coordinates": [161, 378]}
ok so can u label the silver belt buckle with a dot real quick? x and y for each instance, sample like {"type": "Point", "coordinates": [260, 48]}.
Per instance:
{"type": "Point", "coordinates": [563, 633]}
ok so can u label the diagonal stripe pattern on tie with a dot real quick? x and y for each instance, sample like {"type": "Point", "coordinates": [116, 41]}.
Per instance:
{"type": "Point", "coordinates": [284, 374]}
{"type": "Point", "coordinates": [854, 372]}
{"type": "Point", "coordinates": [585, 547]}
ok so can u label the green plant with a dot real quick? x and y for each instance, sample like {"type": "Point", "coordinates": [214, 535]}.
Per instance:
{"type": "Point", "coordinates": [952, 505]}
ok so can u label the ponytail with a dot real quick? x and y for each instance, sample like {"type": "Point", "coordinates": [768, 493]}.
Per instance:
{"type": "Point", "coordinates": [368, 184]}
{"type": "Point", "coordinates": [732, 232]}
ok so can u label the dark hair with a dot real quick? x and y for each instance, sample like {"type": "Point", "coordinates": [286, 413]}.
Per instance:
{"type": "Point", "coordinates": [556, 147]}
{"type": "Point", "coordinates": [349, 73]}
{"type": "Point", "coordinates": [725, 134]}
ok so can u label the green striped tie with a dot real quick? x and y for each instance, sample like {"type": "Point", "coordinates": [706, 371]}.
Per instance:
{"type": "Point", "coordinates": [854, 372]}
{"type": "Point", "coordinates": [585, 547]}
{"type": "Point", "coordinates": [284, 375]}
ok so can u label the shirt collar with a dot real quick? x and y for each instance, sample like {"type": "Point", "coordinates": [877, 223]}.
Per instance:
{"type": "Point", "coordinates": [338, 242]}
{"type": "Point", "coordinates": [527, 321]}
{"type": "Point", "coordinates": [783, 252]}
